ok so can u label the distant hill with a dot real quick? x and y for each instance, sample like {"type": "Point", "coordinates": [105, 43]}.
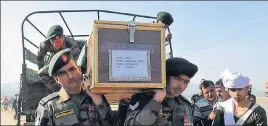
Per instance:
{"type": "Point", "coordinates": [9, 89]}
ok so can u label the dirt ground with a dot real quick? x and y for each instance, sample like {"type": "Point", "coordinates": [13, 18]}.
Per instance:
{"type": "Point", "coordinates": [7, 117]}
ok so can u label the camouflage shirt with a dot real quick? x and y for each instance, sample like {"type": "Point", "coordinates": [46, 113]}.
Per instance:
{"type": "Point", "coordinates": [47, 46]}
{"type": "Point", "coordinates": [143, 110]}
{"type": "Point", "coordinates": [61, 109]}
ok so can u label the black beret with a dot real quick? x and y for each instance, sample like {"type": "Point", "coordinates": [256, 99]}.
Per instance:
{"type": "Point", "coordinates": [54, 30]}
{"type": "Point", "coordinates": [59, 60]}
{"type": "Point", "coordinates": [177, 66]}
{"type": "Point", "coordinates": [165, 17]}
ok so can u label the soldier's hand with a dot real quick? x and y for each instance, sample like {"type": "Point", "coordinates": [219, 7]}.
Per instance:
{"type": "Point", "coordinates": [86, 82]}
{"type": "Point", "coordinates": [96, 97]}
{"type": "Point", "coordinates": [159, 95]}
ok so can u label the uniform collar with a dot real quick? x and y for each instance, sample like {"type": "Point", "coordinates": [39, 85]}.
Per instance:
{"type": "Point", "coordinates": [64, 96]}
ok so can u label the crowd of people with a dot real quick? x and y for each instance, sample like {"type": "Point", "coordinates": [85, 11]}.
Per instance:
{"type": "Point", "coordinates": [226, 102]}
{"type": "Point", "coordinates": [7, 101]}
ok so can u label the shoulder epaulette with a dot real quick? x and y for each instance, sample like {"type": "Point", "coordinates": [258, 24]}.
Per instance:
{"type": "Point", "coordinates": [47, 98]}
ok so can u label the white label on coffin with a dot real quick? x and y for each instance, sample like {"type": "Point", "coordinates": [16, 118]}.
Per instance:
{"type": "Point", "coordinates": [130, 64]}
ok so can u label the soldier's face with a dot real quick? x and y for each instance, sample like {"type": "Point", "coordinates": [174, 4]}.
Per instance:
{"type": "Point", "coordinates": [239, 94]}
{"type": "Point", "coordinates": [177, 85]}
{"type": "Point", "coordinates": [58, 41]}
{"type": "Point", "coordinates": [69, 77]}
{"type": "Point", "coordinates": [209, 93]}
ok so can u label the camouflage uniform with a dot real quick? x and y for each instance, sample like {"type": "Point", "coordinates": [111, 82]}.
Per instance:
{"type": "Point", "coordinates": [202, 110]}
{"type": "Point", "coordinates": [49, 81]}
{"type": "Point", "coordinates": [177, 111]}
{"type": "Point", "coordinates": [47, 46]}
{"type": "Point", "coordinates": [59, 108]}
{"type": "Point", "coordinates": [144, 110]}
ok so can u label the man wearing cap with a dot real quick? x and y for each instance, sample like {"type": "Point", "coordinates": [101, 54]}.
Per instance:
{"type": "Point", "coordinates": [55, 42]}
{"type": "Point", "coordinates": [166, 106]}
{"type": "Point", "coordinates": [238, 110]}
{"type": "Point", "coordinates": [72, 105]}
{"type": "Point", "coordinates": [204, 106]}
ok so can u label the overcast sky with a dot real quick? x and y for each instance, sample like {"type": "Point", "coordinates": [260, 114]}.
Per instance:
{"type": "Point", "coordinates": [213, 35]}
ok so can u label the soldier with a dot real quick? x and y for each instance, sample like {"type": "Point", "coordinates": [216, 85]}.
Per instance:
{"type": "Point", "coordinates": [72, 105]}
{"type": "Point", "coordinates": [238, 110]}
{"type": "Point", "coordinates": [204, 106]}
{"type": "Point", "coordinates": [55, 42]}
{"type": "Point", "coordinates": [14, 106]}
{"type": "Point", "coordinates": [167, 106]}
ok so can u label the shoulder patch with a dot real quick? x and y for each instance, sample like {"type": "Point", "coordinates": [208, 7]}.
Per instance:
{"type": "Point", "coordinates": [47, 98]}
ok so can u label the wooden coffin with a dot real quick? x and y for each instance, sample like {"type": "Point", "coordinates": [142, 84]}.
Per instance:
{"type": "Point", "coordinates": [120, 66]}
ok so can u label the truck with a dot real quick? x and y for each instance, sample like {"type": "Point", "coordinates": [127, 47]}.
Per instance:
{"type": "Point", "coordinates": [32, 89]}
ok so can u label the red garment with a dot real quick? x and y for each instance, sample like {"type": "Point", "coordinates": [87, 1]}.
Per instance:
{"type": "Point", "coordinates": [5, 100]}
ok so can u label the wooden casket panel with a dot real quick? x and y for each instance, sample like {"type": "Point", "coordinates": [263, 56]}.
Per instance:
{"type": "Point", "coordinates": [110, 35]}
{"type": "Point", "coordinates": [109, 39]}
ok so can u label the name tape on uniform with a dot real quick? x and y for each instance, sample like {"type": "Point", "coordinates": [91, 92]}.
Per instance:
{"type": "Point", "coordinates": [64, 113]}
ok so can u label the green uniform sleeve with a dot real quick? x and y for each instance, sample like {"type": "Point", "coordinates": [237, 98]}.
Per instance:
{"type": "Point", "coordinates": [105, 112]}
{"type": "Point", "coordinates": [41, 55]}
{"type": "Point", "coordinates": [139, 115]}
{"type": "Point", "coordinates": [75, 47]}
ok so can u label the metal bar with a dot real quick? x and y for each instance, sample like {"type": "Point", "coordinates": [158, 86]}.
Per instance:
{"type": "Point", "coordinates": [134, 18]}
{"type": "Point", "coordinates": [22, 40]}
{"type": "Point", "coordinates": [35, 27]}
{"type": "Point", "coordinates": [170, 46]}
{"type": "Point", "coordinates": [105, 11]}
{"type": "Point", "coordinates": [31, 42]}
{"type": "Point", "coordinates": [98, 13]}
{"type": "Point", "coordinates": [77, 35]}
{"type": "Point", "coordinates": [66, 24]}
{"type": "Point", "coordinates": [167, 43]}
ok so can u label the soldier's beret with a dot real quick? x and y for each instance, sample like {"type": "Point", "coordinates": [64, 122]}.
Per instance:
{"type": "Point", "coordinates": [165, 17]}
{"type": "Point", "coordinates": [54, 30]}
{"type": "Point", "coordinates": [59, 60]}
{"type": "Point", "coordinates": [177, 66]}
{"type": "Point", "coordinates": [43, 70]}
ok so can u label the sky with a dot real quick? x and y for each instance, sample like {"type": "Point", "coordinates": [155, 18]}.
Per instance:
{"type": "Point", "coordinates": [212, 35]}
